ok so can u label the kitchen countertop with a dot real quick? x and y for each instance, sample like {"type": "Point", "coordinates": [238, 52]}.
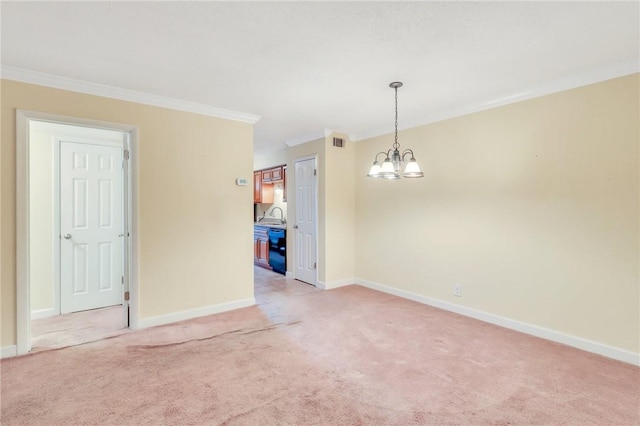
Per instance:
{"type": "Point", "coordinates": [270, 225]}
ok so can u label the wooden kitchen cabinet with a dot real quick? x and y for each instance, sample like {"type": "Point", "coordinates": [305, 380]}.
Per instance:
{"type": "Point", "coordinates": [273, 174]}
{"type": "Point", "coordinates": [261, 247]}
{"type": "Point", "coordinates": [261, 193]}
{"type": "Point", "coordinates": [263, 251]}
{"type": "Point", "coordinates": [257, 187]}
{"type": "Point", "coordinates": [276, 174]}
{"type": "Point", "coordinates": [284, 184]}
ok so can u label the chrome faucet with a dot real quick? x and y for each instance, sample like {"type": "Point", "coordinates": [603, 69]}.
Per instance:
{"type": "Point", "coordinates": [281, 214]}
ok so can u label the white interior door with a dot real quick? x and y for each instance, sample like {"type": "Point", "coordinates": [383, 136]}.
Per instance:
{"type": "Point", "coordinates": [91, 226]}
{"type": "Point", "coordinates": [305, 184]}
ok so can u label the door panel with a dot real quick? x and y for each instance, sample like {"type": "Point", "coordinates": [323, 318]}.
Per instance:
{"type": "Point", "coordinates": [306, 258]}
{"type": "Point", "coordinates": [91, 224]}
{"type": "Point", "coordinates": [263, 248]}
{"type": "Point", "coordinates": [105, 266]}
{"type": "Point", "coordinates": [80, 268]}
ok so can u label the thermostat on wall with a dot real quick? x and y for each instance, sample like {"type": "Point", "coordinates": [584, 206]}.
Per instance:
{"type": "Point", "coordinates": [242, 181]}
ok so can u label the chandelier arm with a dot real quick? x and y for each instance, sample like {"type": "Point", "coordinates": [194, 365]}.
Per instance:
{"type": "Point", "coordinates": [381, 152]}
{"type": "Point", "coordinates": [405, 152]}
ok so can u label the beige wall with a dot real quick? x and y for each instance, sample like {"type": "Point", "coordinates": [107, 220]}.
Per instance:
{"type": "Point", "coordinates": [532, 208]}
{"type": "Point", "coordinates": [340, 177]}
{"type": "Point", "coordinates": [194, 223]}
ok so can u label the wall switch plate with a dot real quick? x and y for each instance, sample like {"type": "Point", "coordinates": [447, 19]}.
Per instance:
{"type": "Point", "coordinates": [242, 181]}
{"type": "Point", "coordinates": [457, 290]}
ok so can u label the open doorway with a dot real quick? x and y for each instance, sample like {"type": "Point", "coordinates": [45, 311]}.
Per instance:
{"type": "Point", "coordinates": [74, 265]}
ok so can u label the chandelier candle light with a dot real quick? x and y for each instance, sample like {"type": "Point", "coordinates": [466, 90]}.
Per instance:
{"type": "Point", "coordinates": [394, 162]}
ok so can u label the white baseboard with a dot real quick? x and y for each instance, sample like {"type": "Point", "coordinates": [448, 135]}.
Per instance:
{"type": "Point", "coordinates": [8, 351]}
{"type": "Point", "coordinates": [289, 274]}
{"type": "Point", "coordinates": [43, 313]}
{"type": "Point", "coordinates": [335, 283]}
{"type": "Point", "coordinates": [534, 330]}
{"type": "Point", "coordinates": [194, 313]}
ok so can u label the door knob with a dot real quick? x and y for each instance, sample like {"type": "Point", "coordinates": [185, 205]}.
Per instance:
{"type": "Point", "coordinates": [67, 236]}
{"type": "Point", "coordinates": [295, 226]}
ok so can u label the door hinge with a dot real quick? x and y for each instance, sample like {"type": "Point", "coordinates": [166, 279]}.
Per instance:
{"type": "Point", "coordinates": [126, 296]}
{"type": "Point", "coordinates": [122, 279]}
{"type": "Point", "coordinates": [315, 265]}
{"type": "Point", "coordinates": [126, 154]}
{"type": "Point", "coordinates": [315, 172]}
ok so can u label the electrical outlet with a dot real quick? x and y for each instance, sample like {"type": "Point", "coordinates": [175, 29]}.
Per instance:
{"type": "Point", "coordinates": [457, 290]}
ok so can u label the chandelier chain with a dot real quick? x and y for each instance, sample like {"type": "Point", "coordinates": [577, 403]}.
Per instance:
{"type": "Point", "coordinates": [396, 145]}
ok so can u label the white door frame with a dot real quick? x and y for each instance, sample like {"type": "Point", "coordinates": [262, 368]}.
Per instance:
{"type": "Point", "coordinates": [23, 301]}
{"type": "Point", "coordinates": [315, 213]}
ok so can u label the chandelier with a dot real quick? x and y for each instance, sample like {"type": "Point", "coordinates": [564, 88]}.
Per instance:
{"type": "Point", "coordinates": [396, 164]}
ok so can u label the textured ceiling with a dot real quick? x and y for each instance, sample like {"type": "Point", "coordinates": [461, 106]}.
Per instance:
{"type": "Point", "coordinates": [307, 66]}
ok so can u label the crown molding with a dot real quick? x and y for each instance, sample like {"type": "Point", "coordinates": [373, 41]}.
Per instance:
{"type": "Point", "coordinates": [64, 83]}
{"type": "Point", "coordinates": [547, 88]}
{"type": "Point", "coordinates": [298, 140]}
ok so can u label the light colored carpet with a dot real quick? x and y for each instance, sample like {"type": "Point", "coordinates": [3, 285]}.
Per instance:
{"type": "Point", "coordinates": [76, 328]}
{"type": "Point", "coordinates": [350, 356]}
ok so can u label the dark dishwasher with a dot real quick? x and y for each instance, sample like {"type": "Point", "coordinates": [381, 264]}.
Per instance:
{"type": "Point", "coordinates": [278, 250]}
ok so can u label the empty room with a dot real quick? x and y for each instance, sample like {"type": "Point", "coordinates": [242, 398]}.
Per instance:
{"type": "Point", "coordinates": [320, 213]}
